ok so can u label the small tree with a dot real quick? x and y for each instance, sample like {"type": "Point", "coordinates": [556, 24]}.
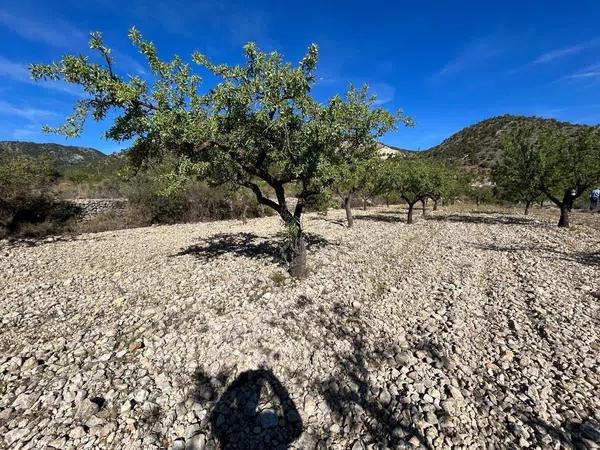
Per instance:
{"type": "Point", "coordinates": [411, 178]}
{"type": "Point", "coordinates": [360, 125]}
{"type": "Point", "coordinates": [446, 182]}
{"type": "Point", "coordinates": [517, 175]}
{"type": "Point", "coordinates": [258, 126]}
{"type": "Point", "coordinates": [369, 185]}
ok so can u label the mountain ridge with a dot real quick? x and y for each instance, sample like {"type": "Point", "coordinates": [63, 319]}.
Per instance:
{"type": "Point", "coordinates": [480, 144]}
{"type": "Point", "coordinates": [65, 155]}
{"type": "Point", "coordinates": [477, 145]}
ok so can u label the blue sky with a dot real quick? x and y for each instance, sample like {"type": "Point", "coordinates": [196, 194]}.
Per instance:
{"type": "Point", "coordinates": [446, 64]}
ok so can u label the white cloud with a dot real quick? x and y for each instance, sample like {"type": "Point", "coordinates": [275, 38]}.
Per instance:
{"type": "Point", "coordinates": [590, 73]}
{"type": "Point", "coordinates": [13, 70]}
{"type": "Point", "coordinates": [575, 76]}
{"type": "Point", "coordinates": [26, 132]}
{"type": "Point", "coordinates": [128, 63]}
{"type": "Point", "coordinates": [18, 71]}
{"type": "Point", "coordinates": [564, 52]}
{"type": "Point", "coordinates": [25, 112]}
{"type": "Point", "coordinates": [384, 93]}
{"type": "Point", "coordinates": [56, 34]}
{"type": "Point", "coordinates": [474, 54]}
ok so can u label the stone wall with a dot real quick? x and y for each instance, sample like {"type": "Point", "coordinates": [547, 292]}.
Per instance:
{"type": "Point", "coordinates": [92, 207]}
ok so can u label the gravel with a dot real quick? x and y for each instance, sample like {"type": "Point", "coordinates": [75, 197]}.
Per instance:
{"type": "Point", "coordinates": [461, 331]}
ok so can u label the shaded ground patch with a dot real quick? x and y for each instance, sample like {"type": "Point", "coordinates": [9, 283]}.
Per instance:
{"type": "Point", "coordinates": [248, 245]}
{"type": "Point", "coordinates": [254, 412]}
{"type": "Point", "coordinates": [494, 220]}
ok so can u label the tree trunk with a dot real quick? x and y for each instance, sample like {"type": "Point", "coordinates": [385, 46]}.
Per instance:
{"type": "Point", "coordinates": [297, 255]}
{"type": "Point", "coordinates": [563, 222]}
{"type": "Point", "coordinates": [409, 220]}
{"type": "Point", "coordinates": [348, 208]}
{"type": "Point", "coordinates": [527, 205]}
{"type": "Point", "coordinates": [435, 204]}
{"type": "Point", "coordinates": [477, 201]}
{"type": "Point", "coordinates": [423, 206]}
{"type": "Point", "coordinates": [245, 214]}
{"type": "Point", "coordinates": [296, 245]}
{"type": "Point", "coordinates": [565, 208]}
{"type": "Point", "coordinates": [364, 204]}
{"type": "Point", "coordinates": [387, 203]}
{"type": "Point", "coordinates": [542, 202]}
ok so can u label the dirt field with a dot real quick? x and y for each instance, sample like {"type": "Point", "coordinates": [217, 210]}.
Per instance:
{"type": "Point", "coordinates": [464, 330]}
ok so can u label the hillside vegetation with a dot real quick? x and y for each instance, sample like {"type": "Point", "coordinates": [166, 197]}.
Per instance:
{"type": "Point", "coordinates": [65, 155]}
{"type": "Point", "coordinates": [481, 144]}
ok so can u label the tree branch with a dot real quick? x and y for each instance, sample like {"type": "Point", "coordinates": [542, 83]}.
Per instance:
{"type": "Point", "coordinates": [260, 198]}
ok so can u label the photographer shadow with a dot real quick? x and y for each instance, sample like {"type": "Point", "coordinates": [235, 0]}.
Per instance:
{"type": "Point", "coordinates": [255, 412]}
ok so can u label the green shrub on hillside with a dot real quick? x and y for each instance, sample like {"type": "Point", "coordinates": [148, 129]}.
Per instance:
{"type": "Point", "coordinates": [28, 206]}
{"type": "Point", "coordinates": [169, 192]}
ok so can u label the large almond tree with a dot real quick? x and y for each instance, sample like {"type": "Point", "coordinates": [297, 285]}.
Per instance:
{"type": "Point", "coordinates": [257, 126]}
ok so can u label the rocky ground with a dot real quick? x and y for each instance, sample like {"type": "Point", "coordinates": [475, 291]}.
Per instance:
{"type": "Point", "coordinates": [460, 331]}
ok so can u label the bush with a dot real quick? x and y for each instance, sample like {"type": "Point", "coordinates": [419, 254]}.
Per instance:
{"type": "Point", "coordinates": [28, 207]}
{"type": "Point", "coordinates": [162, 196]}
{"type": "Point", "coordinates": [481, 194]}
{"type": "Point", "coordinates": [97, 179]}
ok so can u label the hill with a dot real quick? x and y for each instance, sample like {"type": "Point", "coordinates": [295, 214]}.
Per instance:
{"type": "Point", "coordinates": [65, 155]}
{"type": "Point", "coordinates": [386, 151]}
{"type": "Point", "coordinates": [481, 144]}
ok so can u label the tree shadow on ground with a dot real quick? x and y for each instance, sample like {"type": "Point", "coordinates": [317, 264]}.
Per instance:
{"type": "Point", "coordinates": [575, 433]}
{"type": "Point", "coordinates": [352, 394]}
{"type": "Point", "coordinates": [570, 434]}
{"type": "Point", "coordinates": [340, 222]}
{"type": "Point", "coordinates": [545, 251]}
{"type": "Point", "coordinates": [254, 412]}
{"type": "Point", "coordinates": [381, 218]}
{"type": "Point", "coordinates": [248, 245]}
{"type": "Point", "coordinates": [502, 220]}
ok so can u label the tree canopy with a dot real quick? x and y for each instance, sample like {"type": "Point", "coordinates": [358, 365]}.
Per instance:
{"type": "Point", "coordinates": [258, 126]}
{"type": "Point", "coordinates": [550, 163]}
{"type": "Point", "coordinates": [517, 175]}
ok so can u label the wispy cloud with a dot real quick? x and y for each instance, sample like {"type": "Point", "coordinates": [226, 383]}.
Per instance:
{"type": "Point", "coordinates": [26, 131]}
{"type": "Point", "coordinates": [583, 75]}
{"type": "Point", "coordinates": [128, 63]}
{"type": "Point", "coordinates": [13, 70]}
{"type": "Point", "coordinates": [18, 71]}
{"type": "Point", "coordinates": [384, 93]}
{"type": "Point", "coordinates": [564, 52]}
{"type": "Point", "coordinates": [56, 33]}
{"type": "Point", "coordinates": [25, 112]}
{"type": "Point", "coordinates": [586, 74]}
{"type": "Point", "coordinates": [474, 54]}
{"type": "Point", "coordinates": [235, 25]}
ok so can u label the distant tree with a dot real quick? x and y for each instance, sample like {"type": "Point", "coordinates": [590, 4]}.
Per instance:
{"type": "Point", "coordinates": [411, 178]}
{"type": "Point", "coordinates": [447, 182]}
{"type": "Point", "coordinates": [480, 193]}
{"type": "Point", "coordinates": [258, 124]}
{"type": "Point", "coordinates": [360, 124]}
{"type": "Point", "coordinates": [568, 167]}
{"type": "Point", "coordinates": [371, 183]}
{"type": "Point", "coordinates": [517, 175]}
